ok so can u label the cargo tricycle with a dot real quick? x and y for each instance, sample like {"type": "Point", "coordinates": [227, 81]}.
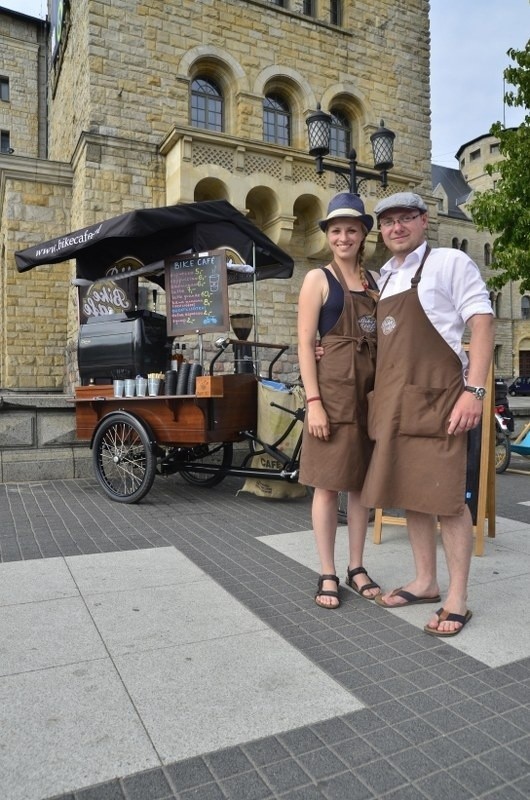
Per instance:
{"type": "Point", "coordinates": [194, 252]}
{"type": "Point", "coordinates": [134, 439]}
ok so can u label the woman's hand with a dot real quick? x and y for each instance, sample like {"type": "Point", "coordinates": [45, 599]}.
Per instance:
{"type": "Point", "coordinates": [317, 420]}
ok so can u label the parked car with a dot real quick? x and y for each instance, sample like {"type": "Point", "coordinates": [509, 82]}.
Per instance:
{"type": "Point", "coordinates": [520, 386]}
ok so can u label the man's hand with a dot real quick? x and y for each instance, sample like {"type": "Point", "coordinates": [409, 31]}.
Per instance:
{"type": "Point", "coordinates": [319, 351]}
{"type": "Point", "coordinates": [466, 414]}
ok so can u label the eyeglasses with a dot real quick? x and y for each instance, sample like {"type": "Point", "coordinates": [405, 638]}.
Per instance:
{"type": "Point", "coordinates": [405, 220]}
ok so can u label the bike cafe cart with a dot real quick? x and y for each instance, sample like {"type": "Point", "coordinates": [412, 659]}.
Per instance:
{"type": "Point", "coordinates": [193, 251]}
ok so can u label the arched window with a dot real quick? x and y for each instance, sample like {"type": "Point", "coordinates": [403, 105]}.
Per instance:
{"type": "Point", "coordinates": [463, 246]}
{"type": "Point", "coordinates": [487, 255]}
{"type": "Point", "coordinates": [497, 306]}
{"type": "Point", "coordinates": [340, 135]}
{"type": "Point", "coordinates": [276, 120]}
{"type": "Point", "coordinates": [525, 307]}
{"type": "Point", "coordinates": [497, 356]}
{"type": "Point", "coordinates": [454, 243]}
{"type": "Point", "coordinates": [5, 144]}
{"type": "Point", "coordinates": [335, 9]}
{"type": "Point", "coordinates": [206, 105]}
{"type": "Point", "coordinates": [4, 88]}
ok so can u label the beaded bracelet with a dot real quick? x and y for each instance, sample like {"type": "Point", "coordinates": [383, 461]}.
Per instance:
{"type": "Point", "coordinates": [311, 399]}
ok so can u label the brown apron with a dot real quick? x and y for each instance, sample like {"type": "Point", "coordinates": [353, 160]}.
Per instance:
{"type": "Point", "coordinates": [415, 465]}
{"type": "Point", "coordinates": [345, 377]}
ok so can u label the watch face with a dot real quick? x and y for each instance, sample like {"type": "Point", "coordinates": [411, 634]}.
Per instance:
{"type": "Point", "coordinates": [478, 391]}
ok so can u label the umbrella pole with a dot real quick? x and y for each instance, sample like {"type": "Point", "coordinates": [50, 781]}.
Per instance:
{"type": "Point", "coordinates": [201, 347]}
{"type": "Point", "coordinates": [255, 310]}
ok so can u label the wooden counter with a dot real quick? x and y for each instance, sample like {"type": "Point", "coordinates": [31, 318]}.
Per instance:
{"type": "Point", "coordinates": [177, 419]}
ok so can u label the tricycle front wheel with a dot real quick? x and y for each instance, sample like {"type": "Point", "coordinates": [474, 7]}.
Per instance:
{"type": "Point", "coordinates": [123, 458]}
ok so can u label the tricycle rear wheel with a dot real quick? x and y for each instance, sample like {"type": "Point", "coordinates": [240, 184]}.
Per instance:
{"type": "Point", "coordinates": [218, 455]}
{"type": "Point", "coordinates": [123, 458]}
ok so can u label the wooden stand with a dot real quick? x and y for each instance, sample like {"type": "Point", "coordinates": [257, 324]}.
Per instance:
{"type": "Point", "coordinates": [486, 485]}
{"type": "Point", "coordinates": [186, 420]}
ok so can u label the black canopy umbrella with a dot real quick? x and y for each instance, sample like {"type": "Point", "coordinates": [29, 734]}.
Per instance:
{"type": "Point", "coordinates": [152, 234]}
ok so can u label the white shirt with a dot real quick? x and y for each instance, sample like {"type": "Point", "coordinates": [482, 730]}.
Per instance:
{"type": "Point", "coordinates": [451, 290]}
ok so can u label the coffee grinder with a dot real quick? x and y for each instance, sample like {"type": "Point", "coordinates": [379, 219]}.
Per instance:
{"type": "Point", "coordinates": [242, 325]}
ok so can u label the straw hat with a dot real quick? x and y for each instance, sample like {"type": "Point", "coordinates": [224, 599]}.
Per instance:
{"type": "Point", "coordinates": [346, 204]}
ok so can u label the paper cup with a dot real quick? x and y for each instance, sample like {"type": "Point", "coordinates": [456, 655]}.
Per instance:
{"type": "Point", "coordinates": [153, 386]}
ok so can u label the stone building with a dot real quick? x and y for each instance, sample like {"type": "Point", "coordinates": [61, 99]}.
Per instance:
{"type": "Point", "coordinates": [453, 189]}
{"type": "Point", "coordinates": [110, 107]}
{"type": "Point", "coordinates": [150, 104]}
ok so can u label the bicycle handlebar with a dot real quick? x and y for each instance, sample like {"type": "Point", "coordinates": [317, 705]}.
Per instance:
{"type": "Point", "coordinates": [299, 413]}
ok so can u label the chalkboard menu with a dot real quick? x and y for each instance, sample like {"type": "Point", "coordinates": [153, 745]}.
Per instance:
{"type": "Point", "coordinates": [196, 293]}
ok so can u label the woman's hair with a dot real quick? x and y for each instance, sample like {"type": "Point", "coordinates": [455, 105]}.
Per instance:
{"type": "Point", "coordinates": [373, 293]}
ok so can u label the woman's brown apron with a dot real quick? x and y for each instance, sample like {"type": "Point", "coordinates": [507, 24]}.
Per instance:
{"type": "Point", "coordinates": [415, 464]}
{"type": "Point", "coordinates": [345, 377]}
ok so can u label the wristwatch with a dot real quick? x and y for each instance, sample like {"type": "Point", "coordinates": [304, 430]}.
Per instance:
{"type": "Point", "coordinates": [478, 391]}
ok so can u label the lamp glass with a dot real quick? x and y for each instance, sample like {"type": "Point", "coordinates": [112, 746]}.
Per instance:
{"type": "Point", "coordinates": [383, 147]}
{"type": "Point", "coordinates": [318, 131]}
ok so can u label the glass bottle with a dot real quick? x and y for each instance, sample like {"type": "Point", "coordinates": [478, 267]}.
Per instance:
{"type": "Point", "coordinates": [176, 356]}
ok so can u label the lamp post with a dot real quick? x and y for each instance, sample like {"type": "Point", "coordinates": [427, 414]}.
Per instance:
{"type": "Point", "coordinates": [318, 131]}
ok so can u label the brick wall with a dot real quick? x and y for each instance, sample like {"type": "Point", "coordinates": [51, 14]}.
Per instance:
{"type": "Point", "coordinates": [22, 45]}
{"type": "Point", "coordinates": [34, 313]}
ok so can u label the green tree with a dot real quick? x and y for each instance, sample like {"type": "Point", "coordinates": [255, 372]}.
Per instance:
{"type": "Point", "coordinates": [505, 210]}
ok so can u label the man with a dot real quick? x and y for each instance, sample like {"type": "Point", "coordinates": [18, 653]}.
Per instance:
{"type": "Point", "coordinates": [427, 396]}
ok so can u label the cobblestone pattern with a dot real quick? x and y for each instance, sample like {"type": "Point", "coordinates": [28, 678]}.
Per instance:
{"type": "Point", "coordinates": [437, 722]}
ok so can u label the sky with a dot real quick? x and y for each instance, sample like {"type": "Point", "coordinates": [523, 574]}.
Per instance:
{"type": "Point", "coordinates": [469, 42]}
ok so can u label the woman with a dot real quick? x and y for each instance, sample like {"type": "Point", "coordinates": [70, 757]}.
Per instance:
{"type": "Point", "coordinates": [337, 304]}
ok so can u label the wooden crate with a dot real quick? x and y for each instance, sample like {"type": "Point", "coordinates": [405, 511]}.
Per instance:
{"type": "Point", "coordinates": [209, 386]}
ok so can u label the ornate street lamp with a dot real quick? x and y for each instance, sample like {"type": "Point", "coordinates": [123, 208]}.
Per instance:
{"type": "Point", "coordinates": [318, 131]}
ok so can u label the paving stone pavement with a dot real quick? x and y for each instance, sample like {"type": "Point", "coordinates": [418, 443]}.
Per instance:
{"type": "Point", "coordinates": [173, 649]}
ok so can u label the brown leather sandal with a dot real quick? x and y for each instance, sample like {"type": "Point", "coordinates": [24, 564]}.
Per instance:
{"type": "Point", "coordinates": [351, 573]}
{"type": "Point", "coordinates": [326, 593]}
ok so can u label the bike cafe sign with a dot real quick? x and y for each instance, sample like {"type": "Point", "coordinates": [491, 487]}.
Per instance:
{"type": "Point", "coordinates": [107, 296]}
